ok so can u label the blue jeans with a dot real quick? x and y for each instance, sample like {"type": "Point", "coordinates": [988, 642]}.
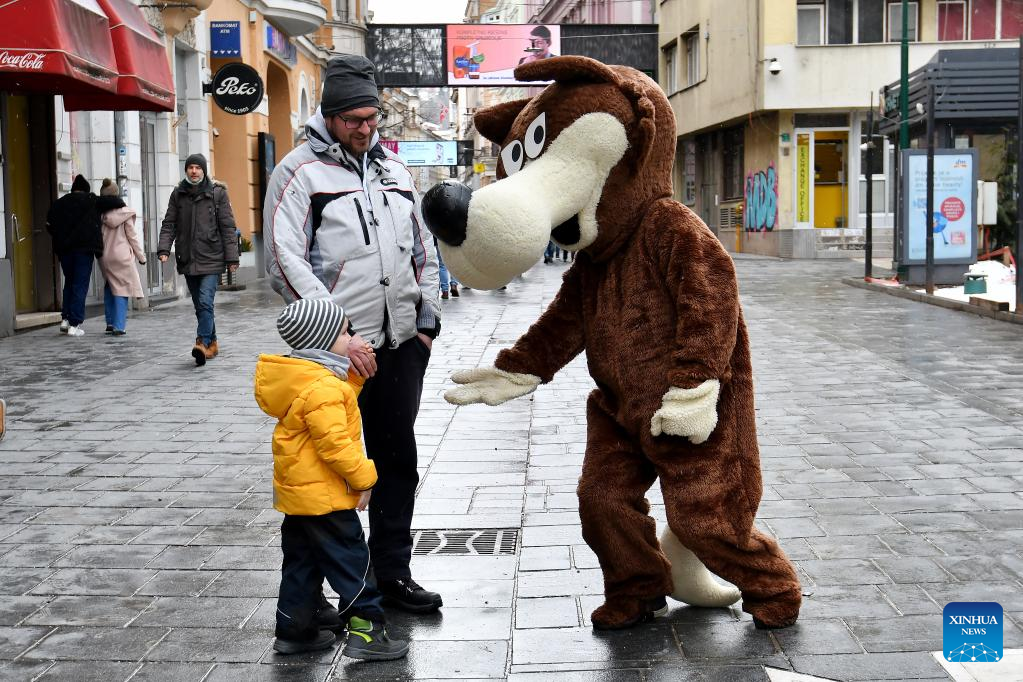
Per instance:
{"type": "Point", "coordinates": [77, 269]}
{"type": "Point", "coordinates": [203, 289]}
{"type": "Point", "coordinates": [550, 250]}
{"type": "Point", "coordinates": [115, 308]}
{"type": "Point", "coordinates": [446, 280]}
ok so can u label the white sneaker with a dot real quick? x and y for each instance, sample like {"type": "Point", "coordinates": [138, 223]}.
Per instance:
{"type": "Point", "coordinates": [75, 331]}
{"type": "Point", "coordinates": [64, 326]}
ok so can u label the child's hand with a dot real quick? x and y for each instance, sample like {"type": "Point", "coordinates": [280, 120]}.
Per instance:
{"type": "Point", "coordinates": [363, 500]}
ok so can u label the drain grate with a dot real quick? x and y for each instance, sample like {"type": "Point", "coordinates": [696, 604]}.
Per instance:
{"type": "Point", "coordinates": [485, 542]}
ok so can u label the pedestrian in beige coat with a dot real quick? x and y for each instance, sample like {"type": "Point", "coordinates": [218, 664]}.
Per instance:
{"type": "Point", "coordinates": [121, 250]}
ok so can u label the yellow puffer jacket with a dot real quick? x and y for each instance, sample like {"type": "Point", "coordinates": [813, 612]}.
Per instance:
{"type": "Point", "coordinates": [319, 464]}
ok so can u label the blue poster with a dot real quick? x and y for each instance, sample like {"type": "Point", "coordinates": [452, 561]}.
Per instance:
{"type": "Point", "coordinates": [225, 39]}
{"type": "Point", "coordinates": [953, 216]}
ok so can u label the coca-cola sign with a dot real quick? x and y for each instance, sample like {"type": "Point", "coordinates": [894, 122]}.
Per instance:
{"type": "Point", "coordinates": [22, 61]}
{"type": "Point", "coordinates": [237, 88]}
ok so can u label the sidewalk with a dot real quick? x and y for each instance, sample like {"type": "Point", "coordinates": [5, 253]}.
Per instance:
{"type": "Point", "coordinates": [137, 539]}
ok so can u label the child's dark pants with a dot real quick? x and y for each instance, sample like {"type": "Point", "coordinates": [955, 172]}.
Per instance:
{"type": "Point", "coordinates": [314, 547]}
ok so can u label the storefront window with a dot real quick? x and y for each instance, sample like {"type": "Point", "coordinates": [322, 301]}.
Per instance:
{"type": "Point", "coordinates": [876, 172]}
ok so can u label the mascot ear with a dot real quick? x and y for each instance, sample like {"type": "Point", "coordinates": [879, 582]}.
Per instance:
{"type": "Point", "coordinates": [495, 122]}
{"type": "Point", "coordinates": [571, 69]}
{"type": "Point", "coordinates": [645, 131]}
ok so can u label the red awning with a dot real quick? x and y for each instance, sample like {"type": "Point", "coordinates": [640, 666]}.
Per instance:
{"type": "Point", "coordinates": [56, 47]}
{"type": "Point", "coordinates": [144, 82]}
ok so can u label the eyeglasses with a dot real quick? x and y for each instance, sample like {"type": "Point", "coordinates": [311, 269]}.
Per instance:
{"type": "Point", "coordinates": [355, 122]}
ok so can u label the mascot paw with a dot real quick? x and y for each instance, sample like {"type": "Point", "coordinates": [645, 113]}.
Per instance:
{"type": "Point", "coordinates": [694, 584]}
{"type": "Point", "coordinates": [489, 385]}
{"type": "Point", "coordinates": [688, 412]}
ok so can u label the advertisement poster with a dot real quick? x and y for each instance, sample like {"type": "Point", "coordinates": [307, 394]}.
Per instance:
{"type": "Point", "coordinates": [953, 215]}
{"type": "Point", "coordinates": [803, 178]}
{"type": "Point", "coordinates": [425, 152]}
{"type": "Point", "coordinates": [487, 54]}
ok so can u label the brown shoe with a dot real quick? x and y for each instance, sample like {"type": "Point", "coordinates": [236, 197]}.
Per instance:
{"type": "Point", "coordinates": [213, 350]}
{"type": "Point", "coordinates": [444, 295]}
{"type": "Point", "coordinates": [200, 352]}
{"type": "Point", "coordinates": [454, 290]}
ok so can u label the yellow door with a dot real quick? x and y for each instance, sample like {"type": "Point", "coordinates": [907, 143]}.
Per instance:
{"type": "Point", "coordinates": [19, 178]}
{"type": "Point", "coordinates": [829, 179]}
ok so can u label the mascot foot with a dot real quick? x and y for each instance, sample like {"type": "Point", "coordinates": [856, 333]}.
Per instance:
{"type": "Point", "coordinates": [622, 613]}
{"type": "Point", "coordinates": [694, 584]}
{"type": "Point", "coordinates": [761, 625]}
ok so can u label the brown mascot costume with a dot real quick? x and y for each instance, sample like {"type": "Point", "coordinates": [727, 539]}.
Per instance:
{"type": "Point", "coordinates": [587, 163]}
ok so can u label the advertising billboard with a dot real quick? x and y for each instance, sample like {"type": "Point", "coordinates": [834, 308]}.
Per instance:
{"type": "Point", "coordinates": [425, 152]}
{"type": "Point", "coordinates": [953, 214]}
{"type": "Point", "coordinates": [487, 54]}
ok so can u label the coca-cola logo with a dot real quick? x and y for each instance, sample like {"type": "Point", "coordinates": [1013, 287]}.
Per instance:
{"type": "Point", "coordinates": [26, 61]}
{"type": "Point", "coordinates": [237, 88]}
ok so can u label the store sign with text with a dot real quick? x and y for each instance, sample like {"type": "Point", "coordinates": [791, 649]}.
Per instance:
{"type": "Point", "coordinates": [236, 88]}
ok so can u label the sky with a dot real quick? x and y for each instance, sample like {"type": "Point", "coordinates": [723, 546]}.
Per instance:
{"type": "Point", "coordinates": [417, 11]}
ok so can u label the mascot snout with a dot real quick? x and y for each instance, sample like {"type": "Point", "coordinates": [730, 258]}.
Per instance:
{"type": "Point", "coordinates": [554, 195]}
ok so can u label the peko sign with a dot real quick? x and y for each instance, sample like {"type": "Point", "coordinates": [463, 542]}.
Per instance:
{"type": "Point", "coordinates": [25, 61]}
{"type": "Point", "coordinates": [236, 88]}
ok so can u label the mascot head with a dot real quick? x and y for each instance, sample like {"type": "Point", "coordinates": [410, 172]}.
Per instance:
{"type": "Point", "coordinates": [580, 162]}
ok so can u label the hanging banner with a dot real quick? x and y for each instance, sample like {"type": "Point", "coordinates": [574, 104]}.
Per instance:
{"type": "Point", "coordinates": [487, 54]}
{"type": "Point", "coordinates": [953, 215]}
{"type": "Point", "coordinates": [428, 152]}
{"type": "Point", "coordinates": [804, 180]}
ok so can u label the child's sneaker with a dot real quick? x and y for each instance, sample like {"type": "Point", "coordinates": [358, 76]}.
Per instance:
{"type": "Point", "coordinates": [369, 641]}
{"type": "Point", "coordinates": [324, 639]}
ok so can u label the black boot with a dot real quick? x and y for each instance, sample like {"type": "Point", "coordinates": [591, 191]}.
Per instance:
{"type": "Point", "coordinates": [327, 617]}
{"type": "Point", "coordinates": [406, 594]}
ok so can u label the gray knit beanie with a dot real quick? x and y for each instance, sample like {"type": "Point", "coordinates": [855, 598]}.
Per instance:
{"type": "Point", "coordinates": [311, 323]}
{"type": "Point", "coordinates": [350, 83]}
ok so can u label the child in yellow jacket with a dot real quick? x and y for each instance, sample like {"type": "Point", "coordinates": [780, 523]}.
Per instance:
{"type": "Point", "coordinates": [321, 477]}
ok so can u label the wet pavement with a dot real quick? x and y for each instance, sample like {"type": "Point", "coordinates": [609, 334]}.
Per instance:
{"type": "Point", "coordinates": [137, 538]}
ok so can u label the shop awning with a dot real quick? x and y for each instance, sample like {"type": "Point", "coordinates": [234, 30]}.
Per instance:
{"type": "Point", "coordinates": [144, 82]}
{"type": "Point", "coordinates": [56, 47]}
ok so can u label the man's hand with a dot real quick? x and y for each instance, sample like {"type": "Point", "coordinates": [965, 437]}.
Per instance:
{"type": "Point", "coordinates": [427, 341]}
{"type": "Point", "coordinates": [364, 500]}
{"type": "Point", "coordinates": [364, 360]}
{"type": "Point", "coordinates": [688, 412]}
{"type": "Point", "coordinates": [233, 267]}
{"type": "Point", "coordinates": [163, 259]}
{"type": "Point", "coordinates": [489, 385]}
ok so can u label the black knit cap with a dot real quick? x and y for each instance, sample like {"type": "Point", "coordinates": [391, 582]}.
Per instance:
{"type": "Point", "coordinates": [350, 83]}
{"type": "Point", "coordinates": [197, 160]}
{"type": "Point", "coordinates": [80, 184]}
{"type": "Point", "coordinates": [311, 323]}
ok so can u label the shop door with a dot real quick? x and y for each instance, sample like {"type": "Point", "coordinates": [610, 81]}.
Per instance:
{"type": "Point", "coordinates": [149, 226]}
{"type": "Point", "coordinates": [829, 174]}
{"type": "Point", "coordinates": [19, 181]}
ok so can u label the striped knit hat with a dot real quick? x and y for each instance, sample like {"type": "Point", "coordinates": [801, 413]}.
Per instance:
{"type": "Point", "coordinates": [311, 323]}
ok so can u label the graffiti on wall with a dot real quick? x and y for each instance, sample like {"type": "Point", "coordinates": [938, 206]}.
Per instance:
{"type": "Point", "coordinates": [761, 200]}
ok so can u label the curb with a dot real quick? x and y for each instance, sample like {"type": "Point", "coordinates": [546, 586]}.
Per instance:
{"type": "Point", "coordinates": [903, 292]}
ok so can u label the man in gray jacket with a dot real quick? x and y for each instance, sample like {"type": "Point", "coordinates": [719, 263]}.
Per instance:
{"type": "Point", "coordinates": [342, 220]}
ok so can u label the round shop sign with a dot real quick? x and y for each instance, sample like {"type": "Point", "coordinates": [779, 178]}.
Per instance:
{"type": "Point", "coordinates": [237, 88]}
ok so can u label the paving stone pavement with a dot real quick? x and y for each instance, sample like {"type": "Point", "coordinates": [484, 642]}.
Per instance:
{"type": "Point", "coordinates": [137, 538]}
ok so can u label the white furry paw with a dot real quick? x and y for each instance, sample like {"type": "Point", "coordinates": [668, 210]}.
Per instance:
{"type": "Point", "coordinates": [688, 412]}
{"type": "Point", "coordinates": [489, 385]}
{"type": "Point", "coordinates": [694, 584]}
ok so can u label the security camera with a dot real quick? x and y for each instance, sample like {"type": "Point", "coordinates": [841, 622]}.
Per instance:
{"type": "Point", "coordinates": [774, 67]}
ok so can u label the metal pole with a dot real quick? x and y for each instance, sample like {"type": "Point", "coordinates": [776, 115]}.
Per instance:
{"type": "Point", "coordinates": [870, 191]}
{"type": "Point", "coordinates": [929, 222]}
{"type": "Point", "coordinates": [904, 80]}
{"type": "Point", "coordinates": [1019, 184]}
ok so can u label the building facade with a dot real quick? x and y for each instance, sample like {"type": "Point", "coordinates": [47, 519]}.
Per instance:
{"type": "Point", "coordinates": [770, 99]}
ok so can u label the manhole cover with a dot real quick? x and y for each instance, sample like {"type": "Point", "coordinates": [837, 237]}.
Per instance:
{"type": "Point", "coordinates": [486, 542]}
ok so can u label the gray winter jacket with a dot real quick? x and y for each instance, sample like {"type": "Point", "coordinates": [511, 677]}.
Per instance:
{"type": "Point", "coordinates": [347, 228]}
{"type": "Point", "coordinates": [200, 223]}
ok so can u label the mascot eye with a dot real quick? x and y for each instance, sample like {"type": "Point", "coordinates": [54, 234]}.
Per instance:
{"type": "Point", "coordinates": [511, 156]}
{"type": "Point", "coordinates": [536, 135]}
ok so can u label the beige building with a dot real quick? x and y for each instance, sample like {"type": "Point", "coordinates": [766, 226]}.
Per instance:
{"type": "Point", "coordinates": [289, 43]}
{"type": "Point", "coordinates": [771, 97]}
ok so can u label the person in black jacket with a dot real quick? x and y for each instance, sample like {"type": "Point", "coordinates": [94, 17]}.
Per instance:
{"type": "Point", "coordinates": [77, 239]}
{"type": "Point", "coordinates": [200, 224]}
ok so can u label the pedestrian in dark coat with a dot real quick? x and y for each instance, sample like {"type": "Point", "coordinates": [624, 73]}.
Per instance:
{"type": "Point", "coordinates": [73, 223]}
{"type": "Point", "coordinates": [200, 225]}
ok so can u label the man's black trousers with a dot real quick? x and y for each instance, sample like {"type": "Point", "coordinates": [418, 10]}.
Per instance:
{"type": "Point", "coordinates": [390, 403]}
